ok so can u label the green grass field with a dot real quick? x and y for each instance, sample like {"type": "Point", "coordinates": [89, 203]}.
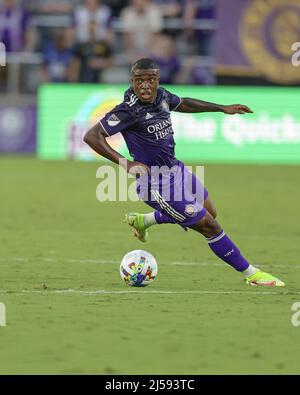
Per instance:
{"type": "Point", "coordinates": [198, 317]}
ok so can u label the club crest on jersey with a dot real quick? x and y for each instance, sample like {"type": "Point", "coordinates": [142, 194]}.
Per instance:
{"type": "Point", "coordinates": [190, 210]}
{"type": "Point", "coordinates": [113, 120]}
{"type": "Point", "coordinates": [165, 106]}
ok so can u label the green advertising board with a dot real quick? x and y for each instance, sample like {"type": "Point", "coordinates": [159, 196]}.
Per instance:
{"type": "Point", "coordinates": [270, 135]}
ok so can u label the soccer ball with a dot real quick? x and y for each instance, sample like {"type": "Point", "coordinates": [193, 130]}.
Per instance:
{"type": "Point", "coordinates": [138, 268]}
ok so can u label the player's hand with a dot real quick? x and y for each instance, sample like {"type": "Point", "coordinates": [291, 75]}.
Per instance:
{"type": "Point", "coordinates": [236, 109]}
{"type": "Point", "coordinates": [137, 168]}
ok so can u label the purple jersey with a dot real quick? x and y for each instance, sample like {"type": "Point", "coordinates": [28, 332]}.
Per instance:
{"type": "Point", "coordinates": [147, 130]}
{"type": "Point", "coordinates": [146, 127]}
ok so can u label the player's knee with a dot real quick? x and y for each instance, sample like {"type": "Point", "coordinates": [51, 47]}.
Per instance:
{"type": "Point", "coordinates": [210, 208]}
{"type": "Point", "coordinates": [210, 222]}
{"type": "Point", "coordinates": [207, 226]}
{"type": "Point", "coordinates": [213, 212]}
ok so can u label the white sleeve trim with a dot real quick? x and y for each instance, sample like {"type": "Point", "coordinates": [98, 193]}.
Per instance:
{"type": "Point", "coordinates": [177, 104]}
{"type": "Point", "coordinates": [108, 135]}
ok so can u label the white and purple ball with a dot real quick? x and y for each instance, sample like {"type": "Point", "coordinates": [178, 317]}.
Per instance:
{"type": "Point", "coordinates": [138, 268]}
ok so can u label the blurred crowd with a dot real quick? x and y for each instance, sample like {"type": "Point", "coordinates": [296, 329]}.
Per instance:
{"type": "Point", "coordinates": [95, 41]}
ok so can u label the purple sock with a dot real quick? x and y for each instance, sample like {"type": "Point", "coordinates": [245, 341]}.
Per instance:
{"type": "Point", "coordinates": [224, 248]}
{"type": "Point", "coordinates": [163, 218]}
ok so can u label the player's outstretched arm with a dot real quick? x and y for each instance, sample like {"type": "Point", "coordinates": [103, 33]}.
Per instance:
{"type": "Point", "coordinates": [96, 139]}
{"type": "Point", "coordinates": [194, 105]}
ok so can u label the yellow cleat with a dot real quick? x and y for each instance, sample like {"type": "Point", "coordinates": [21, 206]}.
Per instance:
{"type": "Point", "coordinates": [136, 220]}
{"type": "Point", "coordinates": [264, 279]}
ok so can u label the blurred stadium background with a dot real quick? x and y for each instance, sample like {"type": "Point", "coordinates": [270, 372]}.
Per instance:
{"type": "Point", "coordinates": [67, 63]}
{"type": "Point", "coordinates": [203, 43]}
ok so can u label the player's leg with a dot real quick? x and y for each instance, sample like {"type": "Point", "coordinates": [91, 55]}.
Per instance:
{"type": "Point", "coordinates": [208, 204]}
{"type": "Point", "coordinates": [220, 244]}
{"type": "Point", "coordinates": [218, 241]}
{"type": "Point", "coordinates": [158, 217]}
{"type": "Point", "coordinates": [164, 213]}
{"type": "Point", "coordinates": [141, 222]}
{"type": "Point", "coordinates": [225, 249]}
{"type": "Point", "coordinates": [201, 218]}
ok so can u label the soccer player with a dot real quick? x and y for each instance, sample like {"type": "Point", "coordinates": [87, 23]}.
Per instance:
{"type": "Point", "coordinates": [144, 120]}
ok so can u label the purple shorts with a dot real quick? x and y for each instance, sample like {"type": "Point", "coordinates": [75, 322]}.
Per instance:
{"type": "Point", "coordinates": [175, 192]}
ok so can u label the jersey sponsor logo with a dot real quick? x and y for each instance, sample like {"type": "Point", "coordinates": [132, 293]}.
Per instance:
{"type": "Point", "coordinates": [161, 129]}
{"type": "Point", "coordinates": [113, 120]}
{"type": "Point", "coordinates": [148, 116]}
{"type": "Point", "coordinates": [132, 100]}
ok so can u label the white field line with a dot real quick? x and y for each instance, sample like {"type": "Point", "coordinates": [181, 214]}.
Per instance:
{"type": "Point", "coordinates": [267, 237]}
{"type": "Point", "coordinates": [143, 291]}
{"type": "Point", "coordinates": [113, 262]}
{"type": "Point", "coordinates": [55, 260]}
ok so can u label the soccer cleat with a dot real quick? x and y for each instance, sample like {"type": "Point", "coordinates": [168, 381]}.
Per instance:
{"type": "Point", "coordinates": [136, 220]}
{"type": "Point", "coordinates": [264, 279]}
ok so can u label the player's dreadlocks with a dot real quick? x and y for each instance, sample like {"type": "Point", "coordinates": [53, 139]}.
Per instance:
{"type": "Point", "coordinates": [144, 64]}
